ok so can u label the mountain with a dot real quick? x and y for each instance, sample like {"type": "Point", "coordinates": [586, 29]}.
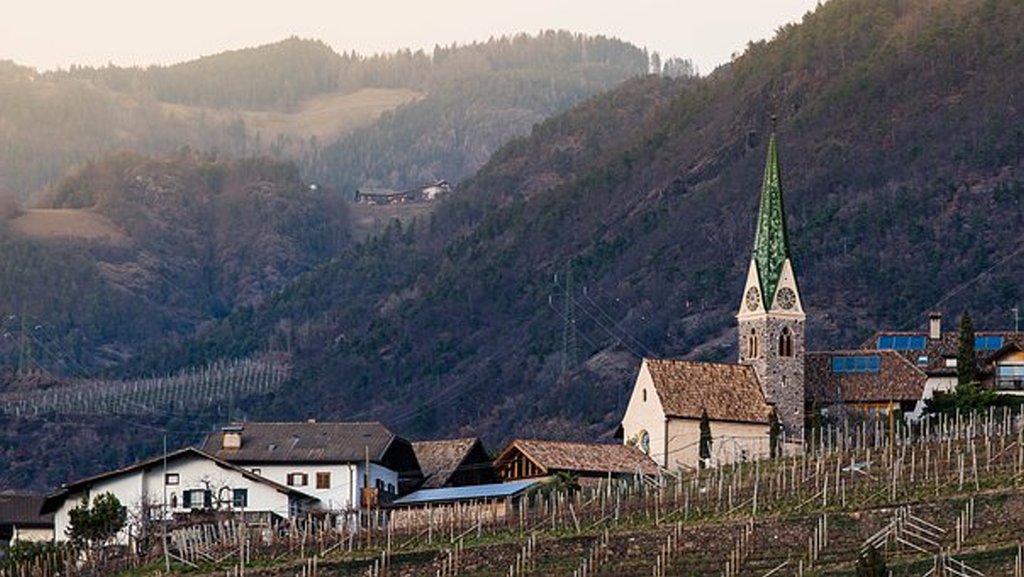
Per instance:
{"type": "Point", "coordinates": [301, 101]}
{"type": "Point", "coordinates": [901, 153]}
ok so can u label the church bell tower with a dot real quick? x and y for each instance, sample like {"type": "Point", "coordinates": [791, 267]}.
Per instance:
{"type": "Point", "coordinates": [771, 316]}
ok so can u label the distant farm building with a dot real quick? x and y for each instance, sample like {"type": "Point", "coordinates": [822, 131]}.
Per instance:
{"type": "Point", "coordinates": [381, 196]}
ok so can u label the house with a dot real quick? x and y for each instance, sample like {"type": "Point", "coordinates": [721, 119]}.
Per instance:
{"type": "Point", "coordinates": [333, 462]}
{"type": "Point", "coordinates": [528, 459]}
{"type": "Point", "coordinates": [21, 520]}
{"type": "Point", "coordinates": [454, 463]}
{"type": "Point", "coordinates": [865, 381]}
{"type": "Point", "coordinates": [181, 482]}
{"type": "Point", "coordinates": [382, 196]}
{"type": "Point", "coordinates": [668, 399]}
{"type": "Point", "coordinates": [999, 354]}
{"type": "Point", "coordinates": [669, 396]}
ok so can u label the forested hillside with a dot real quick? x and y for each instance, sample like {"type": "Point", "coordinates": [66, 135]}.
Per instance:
{"type": "Point", "coordinates": [175, 241]}
{"type": "Point", "coordinates": [901, 148]}
{"type": "Point", "coordinates": [299, 100]}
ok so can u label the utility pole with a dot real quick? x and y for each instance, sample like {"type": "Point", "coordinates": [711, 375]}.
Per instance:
{"type": "Point", "coordinates": [163, 518]}
{"type": "Point", "coordinates": [568, 324]}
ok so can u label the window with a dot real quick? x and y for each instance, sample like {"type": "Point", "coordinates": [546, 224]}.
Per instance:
{"type": "Point", "coordinates": [174, 500]}
{"type": "Point", "coordinates": [785, 343]}
{"type": "Point", "coordinates": [1010, 377]}
{"type": "Point", "coordinates": [752, 347]}
{"type": "Point", "coordinates": [196, 499]}
{"type": "Point", "coordinates": [240, 498]}
{"type": "Point", "coordinates": [297, 479]}
{"type": "Point", "coordinates": [323, 480]}
{"type": "Point", "coordinates": [257, 471]}
{"type": "Point", "coordinates": [645, 442]}
{"type": "Point", "coordinates": [171, 479]}
{"type": "Point", "coordinates": [856, 364]}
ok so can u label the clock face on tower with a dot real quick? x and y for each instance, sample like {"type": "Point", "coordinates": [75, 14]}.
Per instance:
{"type": "Point", "coordinates": [786, 298]}
{"type": "Point", "coordinates": [753, 298]}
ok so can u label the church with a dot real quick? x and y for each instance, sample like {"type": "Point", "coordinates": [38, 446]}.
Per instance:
{"type": "Point", "coordinates": [670, 396]}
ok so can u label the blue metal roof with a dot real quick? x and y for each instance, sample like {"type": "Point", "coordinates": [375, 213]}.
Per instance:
{"type": "Point", "coordinates": [468, 493]}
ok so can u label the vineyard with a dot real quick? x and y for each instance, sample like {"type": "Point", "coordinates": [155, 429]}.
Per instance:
{"type": "Point", "coordinates": [187, 390]}
{"type": "Point", "coordinates": [944, 497]}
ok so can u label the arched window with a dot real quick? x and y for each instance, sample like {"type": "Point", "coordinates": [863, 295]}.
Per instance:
{"type": "Point", "coordinates": [785, 343]}
{"type": "Point", "coordinates": [752, 351]}
{"type": "Point", "coordinates": [645, 442]}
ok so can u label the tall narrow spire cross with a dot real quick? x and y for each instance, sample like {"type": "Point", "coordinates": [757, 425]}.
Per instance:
{"type": "Point", "coordinates": [771, 246]}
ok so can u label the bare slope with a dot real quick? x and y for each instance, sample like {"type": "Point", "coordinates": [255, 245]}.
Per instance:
{"type": "Point", "coordinates": [68, 224]}
{"type": "Point", "coordinates": [323, 116]}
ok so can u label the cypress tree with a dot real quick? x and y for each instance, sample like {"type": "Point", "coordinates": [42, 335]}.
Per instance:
{"type": "Point", "coordinates": [966, 359]}
{"type": "Point", "coordinates": [705, 438]}
{"type": "Point", "coordinates": [774, 434]}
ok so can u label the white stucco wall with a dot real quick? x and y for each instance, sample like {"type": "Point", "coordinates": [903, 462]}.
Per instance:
{"type": "Point", "coordinates": [32, 535]}
{"type": "Point", "coordinates": [346, 480]}
{"type": "Point", "coordinates": [644, 413]}
{"type": "Point", "coordinates": [730, 442]}
{"type": "Point", "coordinates": [931, 386]}
{"type": "Point", "coordinates": [135, 488]}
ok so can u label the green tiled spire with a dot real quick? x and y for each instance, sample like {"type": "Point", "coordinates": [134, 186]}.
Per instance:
{"type": "Point", "coordinates": [771, 246]}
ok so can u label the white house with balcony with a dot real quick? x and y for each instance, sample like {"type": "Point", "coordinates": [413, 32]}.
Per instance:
{"type": "Point", "coordinates": [184, 481]}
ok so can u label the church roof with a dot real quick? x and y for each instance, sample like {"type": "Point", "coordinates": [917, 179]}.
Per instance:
{"type": "Point", "coordinates": [771, 245]}
{"type": "Point", "coordinates": [727, 392]}
{"type": "Point", "coordinates": [861, 376]}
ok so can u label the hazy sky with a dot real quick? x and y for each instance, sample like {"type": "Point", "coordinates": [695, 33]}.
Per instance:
{"type": "Point", "coordinates": [57, 33]}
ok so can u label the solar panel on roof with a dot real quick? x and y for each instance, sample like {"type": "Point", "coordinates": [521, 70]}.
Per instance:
{"type": "Point", "coordinates": [902, 342]}
{"type": "Point", "coordinates": [988, 342]}
{"type": "Point", "coordinates": [856, 364]}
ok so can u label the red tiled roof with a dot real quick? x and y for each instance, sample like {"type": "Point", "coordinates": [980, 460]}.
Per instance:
{"type": "Point", "coordinates": [727, 392]}
{"type": "Point", "coordinates": [554, 456]}
{"type": "Point", "coordinates": [897, 379]}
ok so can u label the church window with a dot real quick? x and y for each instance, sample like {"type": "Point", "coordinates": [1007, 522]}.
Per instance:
{"type": "Point", "coordinates": [786, 343]}
{"type": "Point", "coordinates": [752, 351]}
{"type": "Point", "coordinates": [645, 442]}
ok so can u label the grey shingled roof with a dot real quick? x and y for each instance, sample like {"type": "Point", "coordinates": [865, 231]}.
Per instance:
{"type": "Point", "coordinates": [727, 392]}
{"type": "Point", "coordinates": [440, 459]}
{"type": "Point", "coordinates": [304, 442]}
{"type": "Point", "coordinates": [23, 510]}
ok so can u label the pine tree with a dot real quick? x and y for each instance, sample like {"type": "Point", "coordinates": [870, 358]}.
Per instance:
{"type": "Point", "coordinates": [705, 439]}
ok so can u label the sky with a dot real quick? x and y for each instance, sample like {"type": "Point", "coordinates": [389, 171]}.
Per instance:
{"type": "Point", "coordinates": [48, 34]}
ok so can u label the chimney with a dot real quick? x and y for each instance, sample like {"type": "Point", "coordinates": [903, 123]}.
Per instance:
{"type": "Point", "coordinates": [935, 325]}
{"type": "Point", "coordinates": [232, 437]}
